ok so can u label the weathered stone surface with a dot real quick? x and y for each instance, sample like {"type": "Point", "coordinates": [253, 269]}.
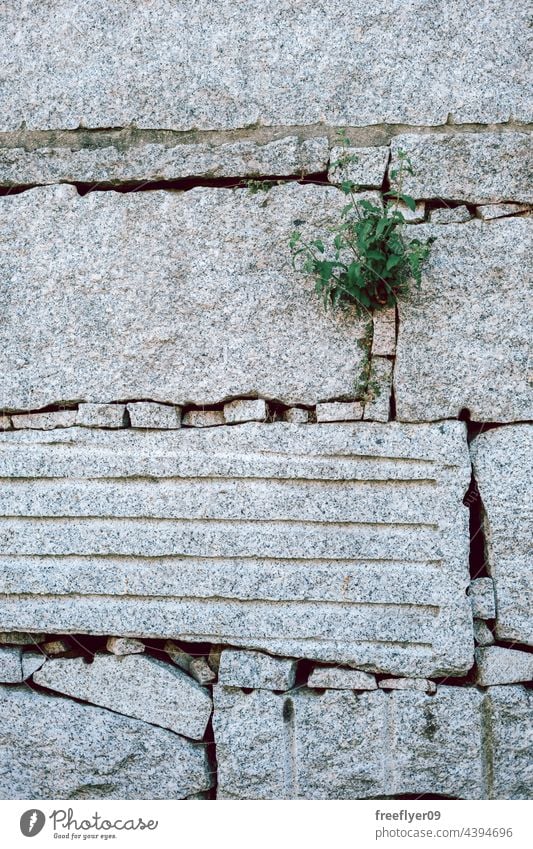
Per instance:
{"type": "Point", "coordinates": [16, 638]}
{"type": "Point", "coordinates": [377, 408]}
{"type": "Point", "coordinates": [342, 543]}
{"type": "Point", "coordinates": [339, 411]}
{"type": "Point", "coordinates": [483, 636]}
{"type": "Point", "coordinates": [101, 415]}
{"type": "Point", "coordinates": [497, 665]}
{"type": "Point", "coordinates": [197, 667]}
{"type": "Point", "coordinates": [203, 418]}
{"type": "Point", "coordinates": [384, 333]}
{"type": "Point", "coordinates": [5, 423]}
{"type": "Point", "coordinates": [257, 670]}
{"type": "Point", "coordinates": [500, 210]}
{"type": "Point", "coordinates": [437, 743]}
{"type": "Point", "coordinates": [412, 216]}
{"type": "Point", "coordinates": [503, 468]}
{"type": "Point", "coordinates": [450, 215]}
{"type": "Point", "coordinates": [31, 661]}
{"type": "Point", "coordinates": [422, 685]}
{"type": "Point", "coordinates": [124, 645]}
{"type": "Point", "coordinates": [481, 594]}
{"type": "Point", "coordinates": [296, 415]}
{"type": "Point", "coordinates": [344, 745]}
{"type": "Point", "coordinates": [58, 749]}
{"type": "Point", "coordinates": [335, 678]}
{"type": "Point", "coordinates": [245, 411]}
{"type": "Point", "coordinates": [45, 421]}
{"type": "Point", "coordinates": [135, 685]}
{"type": "Point", "coordinates": [153, 161]}
{"type": "Point", "coordinates": [10, 666]}
{"type": "Point", "coordinates": [347, 63]}
{"type": "Point", "coordinates": [147, 414]}
{"type": "Point", "coordinates": [54, 648]}
{"type": "Point", "coordinates": [209, 309]}
{"type": "Point", "coordinates": [471, 167]}
{"type": "Point", "coordinates": [464, 336]}
{"type": "Point", "coordinates": [509, 713]}
{"type": "Point", "coordinates": [367, 168]}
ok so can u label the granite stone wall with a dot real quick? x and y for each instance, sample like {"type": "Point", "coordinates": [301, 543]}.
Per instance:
{"type": "Point", "coordinates": [228, 570]}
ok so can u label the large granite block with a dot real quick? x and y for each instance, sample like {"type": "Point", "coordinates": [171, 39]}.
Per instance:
{"type": "Point", "coordinates": [464, 337]}
{"type": "Point", "coordinates": [54, 748]}
{"type": "Point", "coordinates": [173, 297]}
{"type": "Point", "coordinates": [138, 686]}
{"type": "Point", "coordinates": [339, 542]}
{"type": "Point", "coordinates": [345, 745]}
{"type": "Point", "coordinates": [503, 467]}
{"type": "Point", "coordinates": [199, 64]}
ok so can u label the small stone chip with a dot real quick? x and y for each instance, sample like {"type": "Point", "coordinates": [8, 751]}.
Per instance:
{"type": "Point", "coordinates": [482, 633]}
{"type": "Point", "coordinates": [500, 210]}
{"type": "Point", "coordinates": [101, 415]}
{"type": "Point", "coordinates": [203, 418]}
{"type": "Point", "coordinates": [335, 678]}
{"type": "Point", "coordinates": [45, 421]}
{"type": "Point", "coordinates": [256, 670]}
{"type": "Point", "coordinates": [450, 215]}
{"type": "Point", "coordinates": [196, 667]}
{"type": "Point", "coordinates": [377, 408]}
{"type": "Point", "coordinates": [384, 334]}
{"type": "Point", "coordinates": [5, 423]}
{"type": "Point", "coordinates": [296, 415]}
{"type": "Point", "coordinates": [151, 415]}
{"type": "Point", "coordinates": [339, 411]}
{"type": "Point", "coordinates": [497, 665]}
{"type": "Point", "coordinates": [481, 592]}
{"type": "Point", "coordinates": [413, 216]}
{"type": "Point", "coordinates": [245, 411]}
{"type": "Point", "coordinates": [124, 645]}
{"type": "Point", "coordinates": [56, 647]}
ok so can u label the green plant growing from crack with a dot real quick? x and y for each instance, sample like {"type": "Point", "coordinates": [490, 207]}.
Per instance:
{"type": "Point", "coordinates": [364, 262]}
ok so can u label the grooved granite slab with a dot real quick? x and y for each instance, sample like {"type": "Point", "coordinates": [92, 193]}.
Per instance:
{"type": "Point", "coordinates": [503, 467]}
{"type": "Point", "coordinates": [464, 337]}
{"type": "Point", "coordinates": [173, 297]}
{"type": "Point", "coordinates": [54, 748]}
{"type": "Point", "coordinates": [206, 64]}
{"type": "Point", "coordinates": [337, 542]}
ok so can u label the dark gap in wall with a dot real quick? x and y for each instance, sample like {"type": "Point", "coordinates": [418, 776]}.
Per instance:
{"type": "Point", "coordinates": [458, 680]}
{"type": "Point", "coordinates": [392, 403]}
{"type": "Point", "coordinates": [185, 184]}
{"type": "Point", "coordinates": [211, 751]}
{"type": "Point", "coordinates": [441, 203]}
{"type": "Point", "coordinates": [276, 411]}
{"type": "Point", "coordinates": [304, 668]}
{"type": "Point", "coordinates": [50, 408]}
{"type": "Point", "coordinates": [477, 559]}
{"type": "Point", "coordinates": [511, 644]}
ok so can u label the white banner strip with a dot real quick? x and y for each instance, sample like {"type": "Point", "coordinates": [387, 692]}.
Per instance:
{"type": "Point", "coordinates": [254, 824]}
